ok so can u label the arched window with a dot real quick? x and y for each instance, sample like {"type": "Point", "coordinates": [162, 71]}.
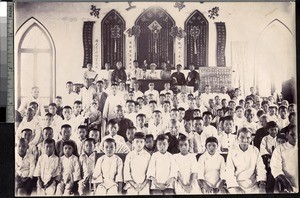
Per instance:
{"type": "Point", "coordinates": [35, 63]}
{"type": "Point", "coordinates": [155, 44]}
{"type": "Point", "coordinates": [113, 39]}
{"type": "Point", "coordinates": [196, 40]}
{"type": "Point", "coordinates": [275, 59]}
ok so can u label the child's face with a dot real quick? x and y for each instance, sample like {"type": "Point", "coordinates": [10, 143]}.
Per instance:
{"type": "Point", "coordinates": [174, 129]}
{"type": "Point", "coordinates": [224, 103]}
{"type": "Point", "coordinates": [22, 148]}
{"type": "Point", "coordinates": [140, 121]}
{"type": "Point", "coordinates": [211, 103]}
{"type": "Point", "coordinates": [291, 109]}
{"type": "Point", "coordinates": [188, 126]}
{"type": "Point", "coordinates": [228, 126]}
{"type": "Point", "coordinates": [217, 100]}
{"type": "Point", "coordinates": [29, 114]}
{"type": "Point", "coordinates": [77, 108]}
{"type": "Point", "coordinates": [52, 110]}
{"type": "Point", "coordinates": [196, 114]}
{"type": "Point", "coordinates": [211, 147]}
{"type": "Point", "coordinates": [191, 103]}
{"type": "Point", "coordinates": [69, 87]}
{"type": "Point", "coordinates": [67, 113]}
{"type": "Point", "coordinates": [122, 86]}
{"type": "Point", "coordinates": [273, 131]}
{"type": "Point", "coordinates": [66, 133]}
{"type": "Point", "coordinates": [292, 137]}
{"type": "Point", "coordinates": [265, 107]}
{"type": "Point", "coordinates": [167, 86]}
{"type": "Point", "coordinates": [81, 133]}
{"type": "Point", "coordinates": [139, 144]}
{"type": "Point", "coordinates": [47, 134]}
{"type": "Point", "coordinates": [283, 113]}
{"type": "Point", "coordinates": [130, 134]}
{"type": "Point", "coordinates": [130, 107]}
{"type": "Point", "coordinates": [239, 113]}
{"type": "Point", "coordinates": [88, 147]}
{"type": "Point", "coordinates": [207, 119]}
{"type": "Point", "coordinates": [49, 148]}
{"type": "Point", "coordinates": [280, 141]}
{"type": "Point", "coordinates": [58, 101]}
{"type": "Point", "coordinates": [230, 112]}
{"type": "Point", "coordinates": [232, 105]}
{"type": "Point", "coordinates": [263, 121]}
{"type": "Point", "coordinates": [113, 129]}
{"type": "Point", "coordinates": [151, 86]}
{"type": "Point", "coordinates": [272, 111]}
{"type": "Point", "coordinates": [114, 89]}
{"type": "Point", "coordinates": [95, 135]}
{"type": "Point", "coordinates": [27, 135]}
{"type": "Point", "coordinates": [249, 116]}
{"type": "Point", "coordinates": [198, 125]}
{"type": "Point", "coordinates": [157, 116]}
{"type": "Point", "coordinates": [174, 115]}
{"type": "Point", "coordinates": [162, 146]}
{"type": "Point", "coordinates": [109, 148]}
{"type": "Point", "coordinates": [183, 147]}
{"type": "Point", "coordinates": [166, 107]}
{"type": "Point", "coordinates": [152, 106]}
{"type": "Point", "coordinates": [68, 150]}
{"type": "Point", "coordinates": [48, 120]}
{"type": "Point", "coordinates": [181, 115]}
{"type": "Point", "coordinates": [149, 143]}
{"type": "Point", "coordinates": [220, 113]}
{"type": "Point", "coordinates": [244, 140]}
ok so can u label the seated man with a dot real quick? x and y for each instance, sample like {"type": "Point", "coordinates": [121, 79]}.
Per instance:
{"type": "Point", "coordinates": [284, 164]}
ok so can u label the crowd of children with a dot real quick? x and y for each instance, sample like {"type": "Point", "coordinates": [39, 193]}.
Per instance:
{"type": "Point", "coordinates": [112, 140]}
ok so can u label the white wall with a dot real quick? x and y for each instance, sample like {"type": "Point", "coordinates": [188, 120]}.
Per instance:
{"type": "Point", "coordinates": [64, 21]}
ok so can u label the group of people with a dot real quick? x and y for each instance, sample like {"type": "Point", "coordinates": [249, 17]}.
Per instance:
{"type": "Point", "coordinates": [113, 139]}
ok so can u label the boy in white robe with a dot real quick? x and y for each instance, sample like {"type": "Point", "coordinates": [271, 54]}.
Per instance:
{"type": "Point", "coordinates": [245, 171]}
{"type": "Point", "coordinates": [108, 172]}
{"type": "Point", "coordinates": [162, 170]}
{"type": "Point", "coordinates": [24, 164]}
{"type": "Point", "coordinates": [211, 175]}
{"type": "Point", "coordinates": [47, 170]}
{"type": "Point", "coordinates": [47, 134]}
{"type": "Point", "coordinates": [70, 170]}
{"type": "Point", "coordinates": [135, 167]}
{"type": "Point", "coordinates": [208, 130]}
{"type": "Point", "coordinates": [268, 142]}
{"type": "Point", "coordinates": [226, 138]}
{"type": "Point", "coordinates": [156, 124]}
{"type": "Point", "coordinates": [282, 120]}
{"type": "Point", "coordinates": [187, 169]}
{"type": "Point", "coordinates": [283, 164]}
{"type": "Point", "coordinates": [87, 161]}
{"type": "Point", "coordinates": [95, 134]}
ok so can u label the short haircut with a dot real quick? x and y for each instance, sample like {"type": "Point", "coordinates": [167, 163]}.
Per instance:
{"type": "Point", "coordinates": [228, 118]}
{"type": "Point", "coordinates": [162, 137]}
{"type": "Point", "coordinates": [48, 128]}
{"type": "Point", "coordinates": [152, 101]}
{"type": "Point", "coordinates": [49, 114]}
{"type": "Point", "coordinates": [140, 115]}
{"type": "Point", "coordinates": [271, 124]}
{"type": "Point", "coordinates": [156, 111]}
{"type": "Point", "coordinates": [49, 141]}
{"type": "Point", "coordinates": [182, 138]}
{"type": "Point", "coordinates": [67, 107]}
{"type": "Point", "coordinates": [33, 103]}
{"type": "Point", "coordinates": [198, 118]}
{"type": "Point", "coordinates": [23, 140]}
{"type": "Point", "coordinates": [112, 122]}
{"type": "Point", "coordinates": [99, 82]}
{"type": "Point", "coordinates": [181, 109]}
{"type": "Point", "coordinates": [82, 127]}
{"type": "Point", "coordinates": [139, 135]}
{"type": "Point", "coordinates": [131, 127]}
{"type": "Point", "coordinates": [89, 140]}
{"type": "Point", "coordinates": [65, 126]}
{"type": "Point", "coordinates": [260, 113]}
{"type": "Point", "coordinates": [130, 101]}
{"type": "Point", "coordinates": [243, 130]}
{"type": "Point", "coordinates": [238, 107]}
{"type": "Point", "coordinates": [207, 113]}
{"type": "Point", "coordinates": [52, 104]}
{"type": "Point", "coordinates": [291, 114]}
{"type": "Point", "coordinates": [211, 139]}
{"type": "Point", "coordinates": [282, 107]}
{"type": "Point", "coordinates": [174, 109]}
{"type": "Point", "coordinates": [69, 82]}
{"type": "Point", "coordinates": [197, 110]}
{"type": "Point", "coordinates": [78, 102]}
{"type": "Point", "coordinates": [58, 97]}
{"type": "Point", "coordinates": [162, 94]}
{"type": "Point", "coordinates": [265, 102]}
{"type": "Point", "coordinates": [110, 140]}
{"type": "Point", "coordinates": [248, 111]}
{"type": "Point", "coordinates": [281, 136]}
{"type": "Point", "coordinates": [291, 127]}
{"type": "Point", "coordinates": [26, 129]}
{"type": "Point", "coordinates": [190, 94]}
{"type": "Point", "coordinates": [149, 136]}
{"type": "Point", "coordinates": [231, 101]}
{"type": "Point", "coordinates": [273, 107]}
{"type": "Point", "coordinates": [138, 98]}
{"type": "Point", "coordinates": [167, 102]}
{"type": "Point", "coordinates": [69, 143]}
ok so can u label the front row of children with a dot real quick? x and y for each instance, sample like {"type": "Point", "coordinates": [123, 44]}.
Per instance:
{"type": "Point", "coordinates": [143, 174]}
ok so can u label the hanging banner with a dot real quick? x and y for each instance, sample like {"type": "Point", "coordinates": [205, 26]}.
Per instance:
{"type": "Point", "coordinates": [221, 44]}
{"type": "Point", "coordinates": [87, 37]}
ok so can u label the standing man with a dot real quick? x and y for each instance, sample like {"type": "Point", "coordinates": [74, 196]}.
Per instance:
{"type": "Point", "coordinates": [192, 79]}
{"type": "Point", "coordinates": [119, 74]}
{"type": "Point", "coordinates": [179, 76]}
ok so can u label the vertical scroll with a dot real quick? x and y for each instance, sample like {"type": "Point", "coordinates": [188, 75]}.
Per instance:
{"type": "Point", "coordinates": [221, 44]}
{"type": "Point", "coordinates": [87, 37]}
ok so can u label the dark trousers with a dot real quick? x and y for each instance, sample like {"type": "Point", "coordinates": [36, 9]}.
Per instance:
{"type": "Point", "coordinates": [24, 187]}
{"type": "Point", "coordinates": [167, 191]}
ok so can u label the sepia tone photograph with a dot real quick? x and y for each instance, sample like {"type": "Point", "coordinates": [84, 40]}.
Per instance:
{"type": "Point", "coordinates": [155, 98]}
